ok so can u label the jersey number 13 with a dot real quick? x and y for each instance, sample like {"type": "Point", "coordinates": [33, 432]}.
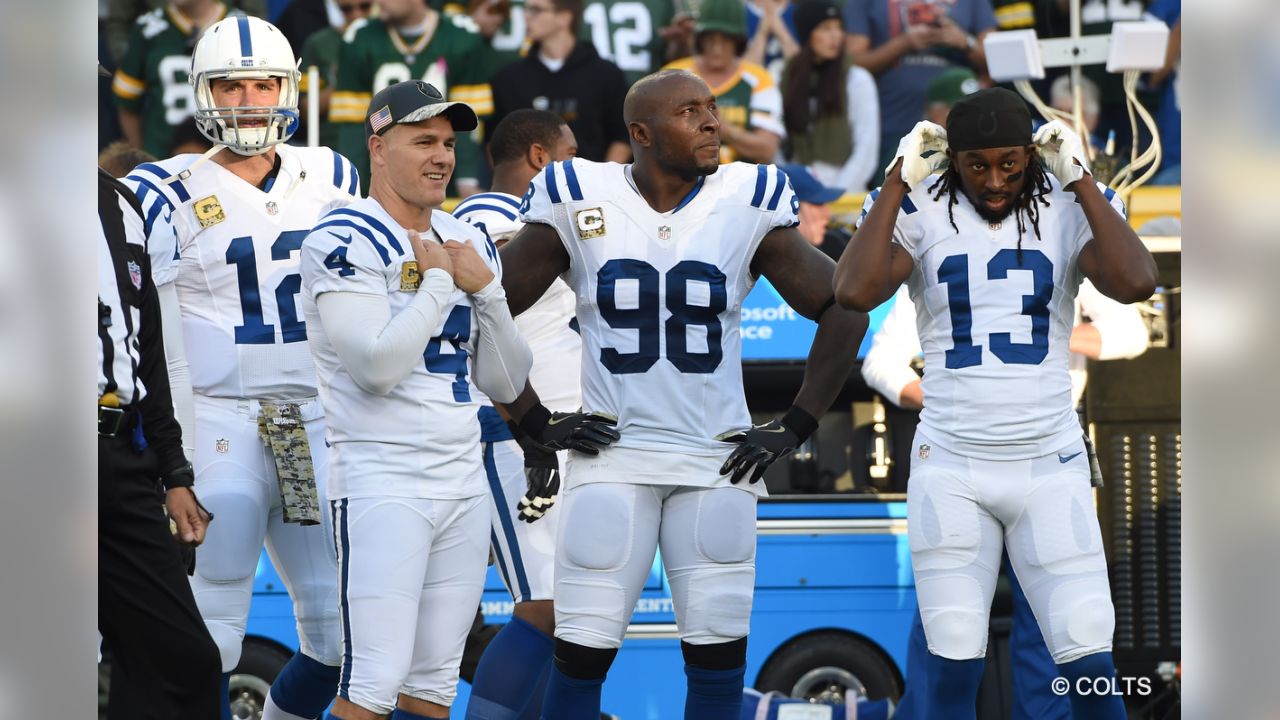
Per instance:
{"type": "Point", "coordinates": [954, 273]}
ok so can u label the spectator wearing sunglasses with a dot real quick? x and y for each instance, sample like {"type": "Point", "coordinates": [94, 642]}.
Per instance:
{"type": "Point", "coordinates": [321, 50]}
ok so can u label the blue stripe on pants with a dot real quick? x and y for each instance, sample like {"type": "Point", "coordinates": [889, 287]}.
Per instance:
{"type": "Point", "coordinates": [508, 527]}
{"type": "Point", "coordinates": [344, 567]}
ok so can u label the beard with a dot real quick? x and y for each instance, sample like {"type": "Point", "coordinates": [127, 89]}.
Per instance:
{"type": "Point", "coordinates": [993, 216]}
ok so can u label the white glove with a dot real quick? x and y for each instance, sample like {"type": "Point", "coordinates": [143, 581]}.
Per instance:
{"type": "Point", "coordinates": [1061, 152]}
{"type": "Point", "coordinates": [925, 138]}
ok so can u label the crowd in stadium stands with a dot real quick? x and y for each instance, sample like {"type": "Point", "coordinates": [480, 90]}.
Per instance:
{"type": "Point", "coordinates": [828, 84]}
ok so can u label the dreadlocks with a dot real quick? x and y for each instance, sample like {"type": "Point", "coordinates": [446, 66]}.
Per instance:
{"type": "Point", "coordinates": [1032, 196]}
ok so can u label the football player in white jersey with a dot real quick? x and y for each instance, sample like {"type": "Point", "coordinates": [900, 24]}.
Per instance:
{"type": "Point", "coordinates": [661, 254]}
{"type": "Point", "coordinates": [1105, 330]}
{"type": "Point", "coordinates": [408, 315]}
{"type": "Point", "coordinates": [259, 429]}
{"type": "Point", "coordinates": [524, 479]}
{"type": "Point", "coordinates": [993, 252]}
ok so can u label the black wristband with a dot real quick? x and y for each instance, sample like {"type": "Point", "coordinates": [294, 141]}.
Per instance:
{"type": "Point", "coordinates": [517, 432]}
{"type": "Point", "coordinates": [181, 476]}
{"type": "Point", "coordinates": [535, 420]}
{"type": "Point", "coordinates": [800, 422]}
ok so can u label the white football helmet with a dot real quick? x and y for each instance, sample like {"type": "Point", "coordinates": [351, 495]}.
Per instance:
{"type": "Point", "coordinates": [248, 48]}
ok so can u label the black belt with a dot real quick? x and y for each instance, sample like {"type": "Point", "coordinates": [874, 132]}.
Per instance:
{"type": "Point", "coordinates": [113, 421]}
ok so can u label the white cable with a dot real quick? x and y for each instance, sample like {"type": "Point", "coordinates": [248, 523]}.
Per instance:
{"type": "Point", "coordinates": [1050, 113]}
{"type": "Point", "coordinates": [1127, 179]}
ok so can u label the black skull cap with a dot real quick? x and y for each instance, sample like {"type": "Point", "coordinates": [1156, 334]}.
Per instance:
{"type": "Point", "coordinates": [990, 118]}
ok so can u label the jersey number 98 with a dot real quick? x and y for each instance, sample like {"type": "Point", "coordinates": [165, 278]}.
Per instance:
{"type": "Point", "coordinates": [645, 317]}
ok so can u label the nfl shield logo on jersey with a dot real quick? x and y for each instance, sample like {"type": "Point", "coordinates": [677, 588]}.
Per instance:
{"type": "Point", "coordinates": [664, 233]}
{"type": "Point", "coordinates": [272, 208]}
{"type": "Point", "coordinates": [222, 446]}
{"type": "Point", "coordinates": [135, 274]}
{"type": "Point", "coordinates": [924, 452]}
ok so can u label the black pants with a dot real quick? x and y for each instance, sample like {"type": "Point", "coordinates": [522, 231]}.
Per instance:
{"type": "Point", "coordinates": [166, 663]}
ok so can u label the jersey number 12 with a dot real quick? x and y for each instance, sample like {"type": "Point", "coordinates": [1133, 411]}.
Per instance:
{"type": "Point", "coordinates": [255, 330]}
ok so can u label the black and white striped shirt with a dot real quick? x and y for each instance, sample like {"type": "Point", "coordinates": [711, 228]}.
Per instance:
{"type": "Point", "coordinates": [131, 358]}
{"type": "Point", "coordinates": [122, 270]}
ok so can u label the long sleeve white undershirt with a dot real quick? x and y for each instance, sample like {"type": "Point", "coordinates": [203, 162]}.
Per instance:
{"type": "Point", "coordinates": [887, 367]}
{"type": "Point", "coordinates": [503, 358]}
{"type": "Point", "coordinates": [175, 352]}
{"type": "Point", "coordinates": [376, 349]}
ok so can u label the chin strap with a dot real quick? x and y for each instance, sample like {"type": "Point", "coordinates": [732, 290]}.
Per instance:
{"type": "Point", "coordinates": [293, 186]}
{"type": "Point", "coordinates": [199, 161]}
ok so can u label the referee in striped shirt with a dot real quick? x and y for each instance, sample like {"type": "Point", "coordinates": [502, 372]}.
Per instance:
{"type": "Point", "coordinates": [165, 665]}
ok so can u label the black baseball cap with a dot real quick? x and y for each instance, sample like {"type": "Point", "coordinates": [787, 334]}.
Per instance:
{"type": "Point", "coordinates": [414, 101]}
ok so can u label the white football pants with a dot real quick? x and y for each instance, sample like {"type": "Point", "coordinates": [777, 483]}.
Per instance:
{"type": "Point", "coordinates": [608, 536]}
{"type": "Point", "coordinates": [236, 481]}
{"type": "Point", "coordinates": [963, 511]}
{"type": "Point", "coordinates": [411, 575]}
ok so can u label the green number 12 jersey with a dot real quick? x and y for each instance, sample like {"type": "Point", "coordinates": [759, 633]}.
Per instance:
{"type": "Point", "coordinates": [626, 33]}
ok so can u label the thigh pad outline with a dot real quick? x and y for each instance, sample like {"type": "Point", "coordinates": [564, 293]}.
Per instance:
{"type": "Point", "coordinates": [597, 534]}
{"type": "Point", "coordinates": [725, 529]}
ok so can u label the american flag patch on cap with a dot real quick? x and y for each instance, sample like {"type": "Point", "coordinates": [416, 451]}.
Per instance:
{"type": "Point", "coordinates": [380, 119]}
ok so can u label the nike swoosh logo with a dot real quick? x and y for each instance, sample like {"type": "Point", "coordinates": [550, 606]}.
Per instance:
{"type": "Point", "coordinates": [1067, 458]}
{"type": "Point", "coordinates": [771, 430]}
{"type": "Point", "coordinates": [346, 239]}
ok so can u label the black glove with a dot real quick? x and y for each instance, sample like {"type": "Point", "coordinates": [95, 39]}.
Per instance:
{"type": "Point", "coordinates": [588, 433]}
{"type": "Point", "coordinates": [542, 473]}
{"type": "Point", "coordinates": [760, 446]}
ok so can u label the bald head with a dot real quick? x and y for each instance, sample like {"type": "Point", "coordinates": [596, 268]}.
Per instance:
{"type": "Point", "coordinates": [664, 88]}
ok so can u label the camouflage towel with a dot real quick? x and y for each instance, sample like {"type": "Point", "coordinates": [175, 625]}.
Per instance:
{"type": "Point", "coordinates": [280, 427]}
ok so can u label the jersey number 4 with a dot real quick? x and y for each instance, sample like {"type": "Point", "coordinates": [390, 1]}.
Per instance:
{"type": "Point", "coordinates": [456, 331]}
{"type": "Point", "coordinates": [954, 273]}
{"type": "Point", "coordinates": [255, 330]}
{"type": "Point", "coordinates": [645, 319]}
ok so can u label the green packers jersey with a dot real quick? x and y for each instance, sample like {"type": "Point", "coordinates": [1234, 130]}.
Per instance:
{"type": "Point", "coordinates": [626, 33]}
{"type": "Point", "coordinates": [455, 58]}
{"type": "Point", "coordinates": [154, 75]}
